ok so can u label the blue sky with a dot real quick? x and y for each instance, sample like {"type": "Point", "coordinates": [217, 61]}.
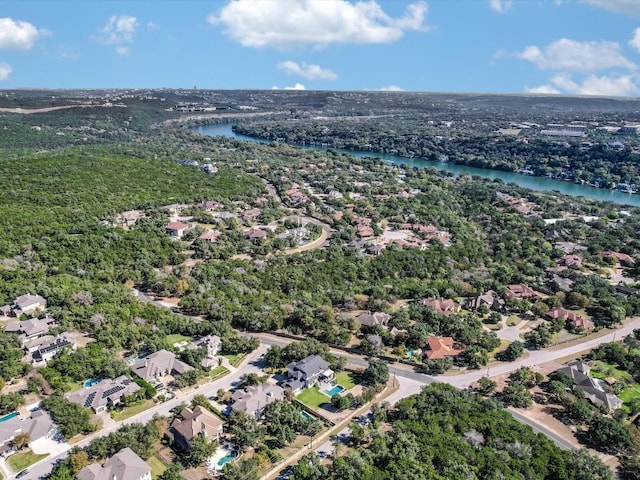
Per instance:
{"type": "Point", "coordinates": [577, 47]}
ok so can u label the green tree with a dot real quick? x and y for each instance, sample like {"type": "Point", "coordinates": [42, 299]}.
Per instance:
{"type": "Point", "coordinates": [246, 430]}
{"type": "Point", "coordinates": [513, 351]}
{"type": "Point", "coordinates": [200, 448]}
{"type": "Point", "coordinates": [376, 373]}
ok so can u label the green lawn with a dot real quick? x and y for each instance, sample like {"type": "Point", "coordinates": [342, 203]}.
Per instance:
{"type": "Point", "coordinates": [133, 410]}
{"type": "Point", "coordinates": [630, 393]}
{"type": "Point", "coordinates": [218, 372]}
{"type": "Point", "coordinates": [234, 358]}
{"type": "Point", "coordinates": [20, 461]}
{"type": "Point", "coordinates": [604, 370]}
{"type": "Point", "coordinates": [313, 398]}
{"type": "Point", "coordinates": [176, 338]}
{"type": "Point", "coordinates": [347, 379]}
{"type": "Point", "coordinates": [157, 466]}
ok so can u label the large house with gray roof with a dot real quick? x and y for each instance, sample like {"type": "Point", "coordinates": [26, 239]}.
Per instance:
{"type": "Point", "coordinates": [124, 465]}
{"type": "Point", "coordinates": [253, 399]}
{"type": "Point", "coordinates": [104, 394]}
{"type": "Point", "coordinates": [596, 390]}
{"type": "Point", "coordinates": [38, 425]}
{"type": "Point", "coordinates": [156, 366]}
{"type": "Point", "coordinates": [194, 422]}
{"type": "Point", "coordinates": [307, 372]}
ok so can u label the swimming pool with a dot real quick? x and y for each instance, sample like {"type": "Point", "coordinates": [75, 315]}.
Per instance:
{"type": "Point", "coordinates": [9, 416]}
{"type": "Point", "coordinates": [306, 415]}
{"type": "Point", "coordinates": [91, 382]}
{"type": "Point", "coordinates": [223, 455]}
{"type": "Point", "coordinates": [336, 389]}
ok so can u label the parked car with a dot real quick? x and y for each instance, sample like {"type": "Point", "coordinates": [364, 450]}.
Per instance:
{"type": "Point", "coordinates": [22, 473]}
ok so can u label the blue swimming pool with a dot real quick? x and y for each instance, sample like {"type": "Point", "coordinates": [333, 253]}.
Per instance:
{"type": "Point", "coordinates": [334, 390]}
{"type": "Point", "coordinates": [227, 458]}
{"type": "Point", "coordinates": [91, 382]}
{"type": "Point", "coordinates": [306, 415]}
{"type": "Point", "coordinates": [9, 416]}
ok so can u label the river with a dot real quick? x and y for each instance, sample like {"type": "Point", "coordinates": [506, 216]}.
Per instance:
{"type": "Point", "coordinates": [527, 181]}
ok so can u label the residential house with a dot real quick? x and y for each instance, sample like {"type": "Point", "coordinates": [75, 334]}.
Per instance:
{"type": "Point", "coordinates": [442, 306]}
{"type": "Point", "coordinates": [212, 344]}
{"type": "Point", "coordinates": [30, 305]}
{"type": "Point", "coordinates": [520, 291]}
{"type": "Point", "coordinates": [38, 425]}
{"type": "Point", "coordinates": [251, 215]}
{"type": "Point", "coordinates": [489, 299]}
{"type": "Point", "coordinates": [622, 258]}
{"type": "Point", "coordinates": [49, 349]}
{"type": "Point", "coordinates": [558, 283]}
{"type": "Point", "coordinates": [210, 235]}
{"type": "Point", "coordinates": [253, 399]}
{"type": "Point", "coordinates": [307, 372]}
{"type": "Point", "coordinates": [377, 319]}
{"type": "Point", "coordinates": [210, 205]}
{"type": "Point", "coordinates": [156, 366]}
{"type": "Point", "coordinates": [124, 465]}
{"type": "Point", "coordinates": [176, 229]}
{"type": "Point", "coordinates": [442, 347]}
{"type": "Point", "coordinates": [192, 423]}
{"type": "Point", "coordinates": [596, 390]}
{"type": "Point", "coordinates": [574, 319]}
{"type": "Point", "coordinates": [255, 235]}
{"type": "Point", "coordinates": [570, 261]}
{"type": "Point", "coordinates": [30, 329]}
{"type": "Point", "coordinates": [623, 291]}
{"type": "Point", "coordinates": [105, 394]}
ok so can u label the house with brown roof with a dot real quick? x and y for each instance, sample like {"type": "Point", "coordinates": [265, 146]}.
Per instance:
{"type": "Point", "coordinates": [192, 423]}
{"type": "Point", "coordinates": [209, 236]}
{"type": "Point", "coordinates": [176, 229]}
{"type": "Point", "coordinates": [28, 304]}
{"type": "Point", "coordinates": [574, 319]}
{"type": "Point", "coordinates": [255, 235]}
{"type": "Point", "coordinates": [520, 291]}
{"type": "Point", "coordinates": [623, 258]}
{"type": "Point", "coordinates": [30, 329]}
{"type": "Point", "coordinates": [442, 347]}
{"type": "Point", "coordinates": [489, 299]}
{"type": "Point", "coordinates": [570, 261]}
{"type": "Point", "coordinates": [442, 306]}
{"type": "Point", "coordinates": [124, 465]}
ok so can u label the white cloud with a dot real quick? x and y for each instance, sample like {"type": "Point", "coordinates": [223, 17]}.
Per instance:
{"type": "Point", "coordinates": [571, 55]}
{"type": "Point", "coordinates": [635, 39]}
{"type": "Point", "coordinates": [18, 35]}
{"type": "Point", "coordinates": [283, 24]}
{"type": "Point", "coordinates": [629, 7]}
{"type": "Point", "coordinates": [542, 89]}
{"type": "Point", "coordinates": [152, 26]}
{"type": "Point", "coordinates": [500, 6]}
{"type": "Point", "coordinates": [118, 31]}
{"type": "Point", "coordinates": [297, 86]}
{"type": "Point", "coordinates": [392, 88]}
{"type": "Point", "coordinates": [5, 70]}
{"type": "Point", "coordinates": [605, 86]}
{"type": "Point", "coordinates": [308, 71]}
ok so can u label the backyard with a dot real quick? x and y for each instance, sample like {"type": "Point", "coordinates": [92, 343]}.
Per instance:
{"type": "Point", "coordinates": [157, 466]}
{"type": "Point", "coordinates": [313, 397]}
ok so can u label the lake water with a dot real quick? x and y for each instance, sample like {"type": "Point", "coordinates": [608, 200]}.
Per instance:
{"type": "Point", "coordinates": [527, 181]}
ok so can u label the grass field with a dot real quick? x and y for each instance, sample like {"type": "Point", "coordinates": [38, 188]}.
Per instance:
{"type": "Point", "coordinates": [176, 338]}
{"type": "Point", "coordinates": [218, 372]}
{"type": "Point", "coordinates": [157, 466]}
{"type": "Point", "coordinates": [234, 359]}
{"type": "Point", "coordinates": [605, 370]}
{"type": "Point", "coordinates": [20, 461]}
{"type": "Point", "coordinates": [133, 410]}
{"type": "Point", "coordinates": [313, 398]}
{"type": "Point", "coordinates": [347, 379]}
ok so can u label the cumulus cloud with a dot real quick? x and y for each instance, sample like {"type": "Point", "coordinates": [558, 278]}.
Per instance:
{"type": "Point", "coordinates": [119, 31]}
{"type": "Point", "coordinates": [571, 55]}
{"type": "Point", "coordinates": [284, 24]}
{"type": "Point", "coordinates": [308, 71]}
{"type": "Point", "coordinates": [392, 88]}
{"type": "Point", "coordinates": [635, 39]}
{"type": "Point", "coordinates": [628, 7]}
{"type": "Point", "coordinates": [297, 86]}
{"type": "Point", "coordinates": [18, 35]}
{"type": "Point", "coordinates": [542, 89]}
{"type": "Point", "coordinates": [605, 86]}
{"type": "Point", "coordinates": [5, 70]}
{"type": "Point", "coordinates": [500, 6]}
